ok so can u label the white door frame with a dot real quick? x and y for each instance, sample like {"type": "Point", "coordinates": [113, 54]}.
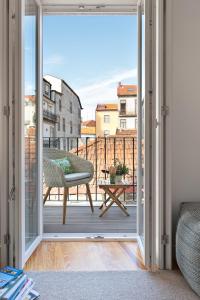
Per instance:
{"type": "Point", "coordinates": [144, 211]}
{"type": "Point", "coordinates": [153, 209]}
{"type": "Point", "coordinates": [4, 122]}
{"type": "Point", "coordinates": [18, 254]}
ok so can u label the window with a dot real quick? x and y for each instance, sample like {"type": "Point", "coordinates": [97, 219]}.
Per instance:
{"type": "Point", "coordinates": [123, 123]}
{"type": "Point", "coordinates": [47, 90]}
{"type": "Point", "coordinates": [64, 144]}
{"type": "Point", "coordinates": [106, 132]}
{"type": "Point", "coordinates": [71, 144]}
{"type": "Point", "coordinates": [64, 124]}
{"type": "Point", "coordinates": [60, 105]}
{"type": "Point", "coordinates": [106, 118]}
{"type": "Point", "coordinates": [71, 129]}
{"type": "Point", "coordinates": [58, 123]}
{"type": "Point", "coordinates": [70, 107]}
{"type": "Point", "coordinates": [79, 129]}
{"type": "Point", "coordinates": [53, 96]}
{"type": "Point", "coordinates": [51, 131]}
{"type": "Point", "coordinates": [123, 107]}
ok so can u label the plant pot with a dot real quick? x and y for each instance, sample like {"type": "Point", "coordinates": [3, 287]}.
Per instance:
{"type": "Point", "coordinates": [118, 179]}
{"type": "Point", "coordinates": [112, 179]}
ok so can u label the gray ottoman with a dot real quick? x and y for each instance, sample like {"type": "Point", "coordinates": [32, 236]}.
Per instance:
{"type": "Point", "coordinates": [188, 244]}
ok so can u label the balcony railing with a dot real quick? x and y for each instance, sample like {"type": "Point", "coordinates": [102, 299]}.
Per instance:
{"type": "Point", "coordinates": [102, 152]}
{"type": "Point", "coordinates": [49, 115]}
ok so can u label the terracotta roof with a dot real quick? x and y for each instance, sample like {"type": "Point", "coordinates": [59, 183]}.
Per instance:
{"type": "Point", "coordinates": [127, 90]}
{"type": "Point", "coordinates": [88, 130]}
{"type": "Point", "coordinates": [30, 98]}
{"type": "Point", "coordinates": [89, 123]}
{"type": "Point", "coordinates": [106, 107]}
{"type": "Point", "coordinates": [126, 132]}
{"type": "Point", "coordinates": [114, 149]}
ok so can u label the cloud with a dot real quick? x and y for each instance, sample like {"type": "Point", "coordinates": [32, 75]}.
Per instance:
{"type": "Point", "coordinates": [103, 91]}
{"type": "Point", "coordinates": [54, 59]}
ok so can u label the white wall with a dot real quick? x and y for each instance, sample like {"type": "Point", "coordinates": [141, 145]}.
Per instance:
{"type": "Point", "coordinates": [183, 98]}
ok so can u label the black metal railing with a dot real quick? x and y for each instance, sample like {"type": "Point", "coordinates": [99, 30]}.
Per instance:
{"type": "Point", "coordinates": [102, 152]}
{"type": "Point", "coordinates": [49, 115]}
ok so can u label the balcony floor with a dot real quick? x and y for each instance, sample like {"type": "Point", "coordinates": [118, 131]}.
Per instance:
{"type": "Point", "coordinates": [80, 220]}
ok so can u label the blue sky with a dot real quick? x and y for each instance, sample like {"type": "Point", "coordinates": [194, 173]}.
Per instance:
{"type": "Point", "coordinates": [92, 54]}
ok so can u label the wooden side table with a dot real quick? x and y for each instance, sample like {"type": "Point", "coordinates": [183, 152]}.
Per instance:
{"type": "Point", "coordinates": [114, 191]}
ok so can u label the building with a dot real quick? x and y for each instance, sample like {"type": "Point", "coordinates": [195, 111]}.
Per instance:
{"type": "Point", "coordinates": [49, 107]}
{"type": "Point", "coordinates": [68, 110]}
{"type": "Point", "coordinates": [106, 119]}
{"type": "Point", "coordinates": [88, 129]}
{"type": "Point", "coordinates": [29, 113]}
{"type": "Point", "coordinates": [127, 105]}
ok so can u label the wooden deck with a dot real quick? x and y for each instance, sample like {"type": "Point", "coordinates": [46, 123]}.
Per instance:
{"type": "Point", "coordinates": [81, 220]}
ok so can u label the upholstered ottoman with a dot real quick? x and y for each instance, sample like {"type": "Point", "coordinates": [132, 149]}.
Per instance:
{"type": "Point", "coordinates": [188, 244]}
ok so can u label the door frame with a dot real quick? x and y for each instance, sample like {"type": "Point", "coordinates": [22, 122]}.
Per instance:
{"type": "Point", "coordinates": [18, 254]}
{"type": "Point", "coordinates": [4, 127]}
{"type": "Point", "coordinates": [153, 208]}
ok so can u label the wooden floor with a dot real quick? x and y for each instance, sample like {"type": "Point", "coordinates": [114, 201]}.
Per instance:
{"type": "Point", "coordinates": [81, 220]}
{"type": "Point", "coordinates": [85, 256]}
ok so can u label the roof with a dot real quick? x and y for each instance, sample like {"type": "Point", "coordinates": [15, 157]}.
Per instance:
{"type": "Point", "coordinates": [63, 81]}
{"type": "Point", "coordinates": [56, 92]}
{"type": "Point", "coordinates": [127, 90]}
{"type": "Point", "coordinates": [115, 148]}
{"type": "Point", "coordinates": [89, 123]}
{"type": "Point", "coordinates": [47, 81]}
{"type": "Point", "coordinates": [30, 98]}
{"type": "Point", "coordinates": [88, 130]}
{"type": "Point", "coordinates": [126, 132]}
{"type": "Point", "coordinates": [107, 107]}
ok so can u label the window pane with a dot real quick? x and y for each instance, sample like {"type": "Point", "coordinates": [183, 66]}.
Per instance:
{"type": "Point", "coordinates": [30, 126]}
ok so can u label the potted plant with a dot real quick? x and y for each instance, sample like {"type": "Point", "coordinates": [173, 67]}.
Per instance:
{"type": "Point", "coordinates": [121, 170]}
{"type": "Point", "coordinates": [112, 172]}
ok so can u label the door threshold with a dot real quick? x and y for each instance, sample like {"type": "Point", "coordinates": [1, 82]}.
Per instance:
{"type": "Point", "coordinates": [98, 237]}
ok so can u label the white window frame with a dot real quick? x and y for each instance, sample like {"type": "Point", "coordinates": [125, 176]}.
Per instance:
{"type": "Point", "coordinates": [106, 119]}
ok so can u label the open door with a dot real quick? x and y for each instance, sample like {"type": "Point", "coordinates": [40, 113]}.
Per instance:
{"type": "Point", "coordinates": [144, 130]}
{"type": "Point", "coordinates": [26, 134]}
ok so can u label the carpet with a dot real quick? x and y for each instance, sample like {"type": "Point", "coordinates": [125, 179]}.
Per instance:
{"type": "Point", "coordinates": [119, 285]}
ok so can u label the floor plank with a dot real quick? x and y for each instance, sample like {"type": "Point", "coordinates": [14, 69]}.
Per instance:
{"type": "Point", "coordinates": [82, 220]}
{"type": "Point", "coordinates": [85, 256]}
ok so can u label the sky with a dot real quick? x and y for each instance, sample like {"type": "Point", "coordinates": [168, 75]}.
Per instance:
{"type": "Point", "coordinates": [92, 54]}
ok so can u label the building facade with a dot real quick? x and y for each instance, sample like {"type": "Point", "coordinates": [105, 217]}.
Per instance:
{"type": "Point", "coordinates": [106, 119]}
{"type": "Point", "coordinates": [49, 114]}
{"type": "Point", "coordinates": [127, 106]}
{"type": "Point", "coordinates": [68, 110]}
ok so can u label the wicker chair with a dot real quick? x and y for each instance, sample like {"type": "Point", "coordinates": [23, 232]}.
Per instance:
{"type": "Point", "coordinates": [54, 176]}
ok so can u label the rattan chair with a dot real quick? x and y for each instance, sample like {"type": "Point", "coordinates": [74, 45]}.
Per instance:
{"type": "Point", "coordinates": [54, 176]}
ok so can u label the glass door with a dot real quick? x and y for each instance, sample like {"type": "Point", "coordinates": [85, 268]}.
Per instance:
{"type": "Point", "coordinates": [30, 123]}
{"type": "Point", "coordinates": [26, 213]}
{"type": "Point", "coordinates": [144, 131]}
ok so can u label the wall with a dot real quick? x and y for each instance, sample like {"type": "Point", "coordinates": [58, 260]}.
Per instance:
{"type": "Point", "coordinates": [183, 99]}
{"type": "Point", "coordinates": [111, 126]}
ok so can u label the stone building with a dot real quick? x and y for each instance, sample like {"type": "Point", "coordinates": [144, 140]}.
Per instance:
{"type": "Point", "coordinates": [68, 110]}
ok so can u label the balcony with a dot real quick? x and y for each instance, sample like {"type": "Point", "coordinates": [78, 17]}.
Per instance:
{"type": "Point", "coordinates": [101, 152]}
{"type": "Point", "coordinates": [124, 113]}
{"type": "Point", "coordinates": [48, 115]}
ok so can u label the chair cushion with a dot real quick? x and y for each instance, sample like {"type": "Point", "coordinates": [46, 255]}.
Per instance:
{"type": "Point", "coordinates": [65, 165]}
{"type": "Point", "coordinates": [77, 176]}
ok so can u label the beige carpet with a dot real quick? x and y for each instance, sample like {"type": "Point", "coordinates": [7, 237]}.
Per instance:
{"type": "Point", "coordinates": [127, 285]}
